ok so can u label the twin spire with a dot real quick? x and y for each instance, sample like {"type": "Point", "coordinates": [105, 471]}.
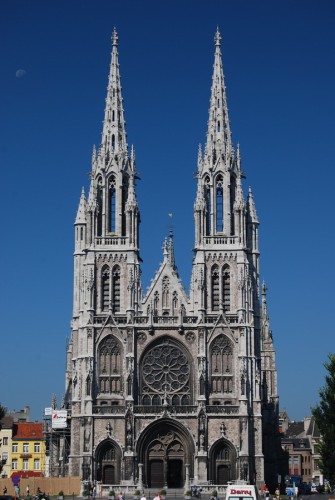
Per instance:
{"type": "Point", "coordinates": [114, 137]}
{"type": "Point", "coordinates": [218, 132]}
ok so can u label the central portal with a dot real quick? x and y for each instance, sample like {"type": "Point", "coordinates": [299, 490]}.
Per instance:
{"type": "Point", "coordinates": [165, 448]}
{"type": "Point", "coordinates": [166, 458]}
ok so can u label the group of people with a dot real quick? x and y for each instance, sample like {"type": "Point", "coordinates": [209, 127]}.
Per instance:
{"type": "Point", "coordinates": [266, 493]}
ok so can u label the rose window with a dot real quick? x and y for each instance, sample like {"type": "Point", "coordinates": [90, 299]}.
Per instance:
{"type": "Point", "coordinates": [165, 375]}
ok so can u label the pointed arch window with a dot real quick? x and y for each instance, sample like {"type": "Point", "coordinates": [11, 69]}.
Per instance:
{"type": "Point", "coordinates": [99, 207]}
{"type": "Point", "coordinates": [116, 289]}
{"type": "Point", "coordinates": [156, 303]}
{"type": "Point", "coordinates": [221, 359]}
{"type": "Point", "coordinates": [215, 288]}
{"type": "Point", "coordinates": [112, 205]}
{"type": "Point", "coordinates": [88, 385]}
{"type": "Point", "coordinates": [124, 200]}
{"type": "Point", "coordinates": [113, 141]}
{"type": "Point", "coordinates": [207, 196]}
{"type": "Point", "coordinates": [105, 288]}
{"type": "Point", "coordinates": [219, 126]}
{"type": "Point", "coordinates": [109, 365]}
{"type": "Point", "coordinates": [174, 302]}
{"type": "Point", "coordinates": [113, 116]}
{"type": "Point", "coordinates": [226, 288]}
{"type": "Point", "coordinates": [165, 292]}
{"type": "Point", "coordinates": [219, 204]}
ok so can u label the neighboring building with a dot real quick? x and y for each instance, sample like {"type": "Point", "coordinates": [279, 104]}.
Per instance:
{"type": "Point", "coordinates": [6, 429]}
{"type": "Point", "coordinates": [313, 434]}
{"type": "Point", "coordinates": [20, 415]}
{"type": "Point", "coordinates": [168, 387]}
{"type": "Point", "coordinates": [300, 442]}
{"type": "Point", "coordinates": [28, 449]}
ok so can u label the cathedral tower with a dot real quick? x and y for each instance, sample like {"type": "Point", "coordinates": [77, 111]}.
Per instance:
{"type": "Point", "coordinates": [166, 388]}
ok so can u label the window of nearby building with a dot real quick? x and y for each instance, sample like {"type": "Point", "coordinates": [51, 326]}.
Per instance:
{"type": "Point", "coordinates": [25, 464]}
{"type": "Point", "coordinates": [25, 447]}
{"type": "Point", "coordinates": [15, 447]}
{"type": "Point", "coordinates": [37, 447]}
{"type": "Point", "coordinates": [5, 441]}
{"type": "Point", "coordinates": [37, 464]}
{"type": "Point", "coordinates": [4, 457]}
{"type": "Point", "coordinates": [14, 464]}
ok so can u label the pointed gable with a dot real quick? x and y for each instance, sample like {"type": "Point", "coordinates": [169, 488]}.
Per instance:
{"type": "Point", "coordinates": [166, 295]}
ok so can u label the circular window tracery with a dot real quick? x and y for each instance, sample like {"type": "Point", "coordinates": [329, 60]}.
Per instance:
{"type": "Point", "coordinates": [165, 371]}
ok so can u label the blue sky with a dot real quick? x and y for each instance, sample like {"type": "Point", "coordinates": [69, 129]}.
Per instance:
{"type": "Point", "coordinates": [279, 65]}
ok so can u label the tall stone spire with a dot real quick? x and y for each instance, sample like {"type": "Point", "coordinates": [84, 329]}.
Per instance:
{"type": "Point", "coordinates": [218, 132]}
{"type": "Point", "coordinates": [114, 137]}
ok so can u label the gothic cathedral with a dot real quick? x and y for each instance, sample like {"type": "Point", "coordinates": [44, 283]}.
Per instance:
{"type": "Point", "coordinates": [168, 389]}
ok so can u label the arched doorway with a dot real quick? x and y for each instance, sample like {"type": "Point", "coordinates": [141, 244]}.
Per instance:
{"type": "Point", "coordinates": [108, 460]}
{"type": "Point", "coordinates": [164, 449]}
{"type": "Point", "coordinates": [223, 462]}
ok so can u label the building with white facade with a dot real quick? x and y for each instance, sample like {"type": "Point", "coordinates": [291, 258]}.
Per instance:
{"type": "Point", "coordinates": [169, 387]}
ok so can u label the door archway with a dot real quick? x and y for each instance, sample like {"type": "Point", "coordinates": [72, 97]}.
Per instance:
{"type": "Point", "coordinates": [164, 449]}
{"type": "Point", "coordinates": [108, 462]}
{"type": "Point", "coordinates": [223, 461]}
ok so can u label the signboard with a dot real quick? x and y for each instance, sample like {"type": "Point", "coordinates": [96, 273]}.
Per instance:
{"type": "Point", "coordinates": [48, 412]}
{"type": "Point", "coordinates": [59, 419]}
{"type": "Point", "coordinates": [16, 480]}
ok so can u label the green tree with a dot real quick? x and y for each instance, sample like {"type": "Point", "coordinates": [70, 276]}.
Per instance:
{"type": "Point", "coordinates": [324, 414]}
{"type": "Point", "coordinates": [2, 412]}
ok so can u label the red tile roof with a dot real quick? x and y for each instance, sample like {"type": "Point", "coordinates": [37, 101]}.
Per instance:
{"type": "Point", "coordinates": [28, 430]}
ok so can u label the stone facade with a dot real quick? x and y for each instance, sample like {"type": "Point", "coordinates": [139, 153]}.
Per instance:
{"type": "Point", "coordinates": [169, 388]}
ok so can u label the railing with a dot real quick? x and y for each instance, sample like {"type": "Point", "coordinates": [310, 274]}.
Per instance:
{"type": "Point", "coordinates": [109, 410]}
{"type": "Point", "coordinates": [231, 319]}
{"type": "Point", "coordinates": [220, 240]}
{"type": "Point", "coordinates": [144, 410]}
{"type": "Point", "coordinates": [222, 410]}
{"type": "Point", "coordinates": [158, 410]}
{"type": "Point", "coordinates": [116, 241]}
{"type": "Point", "coordinates": [165, 320]}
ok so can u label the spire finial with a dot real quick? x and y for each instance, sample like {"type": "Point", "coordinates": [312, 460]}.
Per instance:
{"type": "Point", "coordinates": [115, 37]}
{"type": "Point", "coordinates": [217, 38]}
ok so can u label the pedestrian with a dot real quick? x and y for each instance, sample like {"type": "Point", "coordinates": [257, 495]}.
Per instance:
{"type": "Point", "coordinates": [27, 491]}
{"type": "Point", "coordinates": [277, 493]}
{"type": "Point", "coordinates": [94, 494]}
{"type": "Point", "coordinates": [5, 491]}
{"type": "Point", "coordinates": [143, 497]}
{"type": "Point", "coordinates": [120, 497]}
{"type": "Point", "coordinates": [156, 497]}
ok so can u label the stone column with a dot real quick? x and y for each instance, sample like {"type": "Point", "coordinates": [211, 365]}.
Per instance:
{"type": "Point", "coordinates": [187, 477]}
{"type": "Point", "coordinates": [140, 477]}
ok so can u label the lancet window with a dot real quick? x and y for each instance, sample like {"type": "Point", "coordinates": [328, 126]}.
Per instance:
{"type": "Point", "coordinates": [99, 207]}
{"type": "Point", "coordinates": [116, 299]}
{"type": "Point", "coordinates": [174, 303]}
{"type": "Point", "coordinates": [165, 292]}
{"type": "Point", "coordinates": [110, 365]}
{"type": "Point", "coordinates": [226, 288]}
{"type": "Point", "coordinates": [105, 288]}
{"type": "Point", "coordinates": [207, 196]}
{"type": "Point", "coordinates": [215, 288]}
{"type": "Point", "coordinates": [219, 205]}
{"type": "Point", "coordinates": [112, 205]}
{"type": "Point", "coordinates": [221, 358]}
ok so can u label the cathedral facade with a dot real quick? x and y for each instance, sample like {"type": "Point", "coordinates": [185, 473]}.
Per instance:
{"type": "Point", "coordinates": [169, 388]}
